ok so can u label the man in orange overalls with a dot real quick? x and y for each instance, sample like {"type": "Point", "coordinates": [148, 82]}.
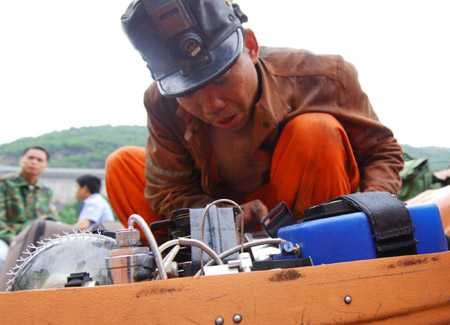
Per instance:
{"type": "Point", "coordinates": [229, 119]}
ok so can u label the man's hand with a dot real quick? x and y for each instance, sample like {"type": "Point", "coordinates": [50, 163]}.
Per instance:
{"type": "Point", "coordinates": [254, 212]}
{"type": "Point", "coordinates": [83, 224]}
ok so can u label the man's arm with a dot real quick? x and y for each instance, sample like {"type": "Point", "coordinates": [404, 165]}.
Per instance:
{"type": "Point", "coordinates": [377, 152]}
{"type": "Point", "coordinates": [5, 231]}
{"type": "Point", "coordinates": [83, 224]}
{"type": "Point", "coordinates": [89, 214]}
{"type": "Point", "coordinates": [173, 179]}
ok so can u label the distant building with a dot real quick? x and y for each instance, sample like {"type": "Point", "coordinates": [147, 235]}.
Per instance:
{"type": "Point", "coordinates": [61, 180]}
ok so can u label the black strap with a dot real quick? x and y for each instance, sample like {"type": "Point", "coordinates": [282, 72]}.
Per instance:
{"type": "Point", "coordinates": [392, 228]}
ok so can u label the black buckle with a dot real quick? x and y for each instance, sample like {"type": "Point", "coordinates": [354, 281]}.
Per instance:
{"type": "Point", "coordinates": [281, 216]}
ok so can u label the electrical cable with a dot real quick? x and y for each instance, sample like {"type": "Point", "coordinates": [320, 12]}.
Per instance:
{"type": "Point", "coordinates": [203, 225]}
{"type": "Point", "coordinates": [151, 240]}
{"type": "Point", "coordinates": [192, 242]}
{"type": "Point", "coordinates": [169, 257]}
{"type": "Point", "coordinates": [266, 241]}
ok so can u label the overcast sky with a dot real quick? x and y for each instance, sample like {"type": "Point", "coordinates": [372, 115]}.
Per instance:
{"type": "Point", "coordinates": [68, 64]}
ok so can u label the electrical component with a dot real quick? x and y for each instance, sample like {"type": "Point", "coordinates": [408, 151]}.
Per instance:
{"type": "Point", "coordinates": [123, 263]}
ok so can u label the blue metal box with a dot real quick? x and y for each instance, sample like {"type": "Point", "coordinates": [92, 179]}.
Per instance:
{"type": "Point", "coordinates": [349, 237]}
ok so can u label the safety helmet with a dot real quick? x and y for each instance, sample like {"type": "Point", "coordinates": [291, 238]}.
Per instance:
{"type": "Point", "coordinates": [186, 44]}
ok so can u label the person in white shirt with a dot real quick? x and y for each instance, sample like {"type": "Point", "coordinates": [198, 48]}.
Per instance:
{"type": "Point", "coordinates": [95, 209]}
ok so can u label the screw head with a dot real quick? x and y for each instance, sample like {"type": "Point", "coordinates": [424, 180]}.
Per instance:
{"type": "Point", "coordinates": [237, 318]}
{"type": "Point", "coordinates": [348, 300]}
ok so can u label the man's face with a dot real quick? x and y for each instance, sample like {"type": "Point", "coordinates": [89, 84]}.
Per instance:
{"type": "Point", "coordinates": [82, 193]}
{"type": "Point", "coordinates": [227, 103]}
{"type": "Point", "coordinates": [33, 162]}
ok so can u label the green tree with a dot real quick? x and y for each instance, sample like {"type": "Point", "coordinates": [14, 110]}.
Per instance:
{"type": "Point", "coordinates": [69, 212]}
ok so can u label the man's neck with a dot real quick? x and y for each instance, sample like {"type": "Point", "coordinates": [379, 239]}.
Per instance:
{"type": "Point", "coordinates": [88, 195]}
{"type": "Point", "coordinates": [30, 179]}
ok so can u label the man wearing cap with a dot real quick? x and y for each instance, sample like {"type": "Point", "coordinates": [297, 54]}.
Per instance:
{"type": "Point", "coordinates": [230, 119]}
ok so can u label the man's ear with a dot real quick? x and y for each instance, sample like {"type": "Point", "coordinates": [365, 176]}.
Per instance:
{"type": "Point", "coordinates": [251, 44]}
{"type": "Point", "coordinates": [21, 159]}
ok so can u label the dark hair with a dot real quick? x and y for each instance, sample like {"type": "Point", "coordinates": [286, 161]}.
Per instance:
{"type": "Point", "coordinates": [92, 182]}
{"type": "Point", "coordinates": [38, 148]}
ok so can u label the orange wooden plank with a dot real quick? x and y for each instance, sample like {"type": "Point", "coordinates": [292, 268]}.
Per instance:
{"type": "Point", "coordinates": [398, 290]}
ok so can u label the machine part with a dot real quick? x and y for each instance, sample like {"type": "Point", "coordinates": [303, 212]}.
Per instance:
{"type": "Point", "coordinates": [192, 242]}
{"type": "Point", "coordinates": [179, 223]}
{"type": "Point", "coordinates": [53, 260]}
{"type": "Point", "coordinates": [80, 279]}
{"type": "Point", "coordinates": [151, 240]}
{"type": "Point", "coordinates": [237, 319]}
{"type": "Point", "coordinates": [349, 237]}
{"type": "Point", "coordinates": [278, 217]}
{"type": "Point", "coordinates": [328, 209]}
{"type": "Point", "coordinates": [247, 245]}
{"type": "Point", "coordinates": [171, 266]}
{"type": "Point", "coordinates": [245, 262]}
{"type": "Point", "coordinates": [281, 264]}
{"type": "Point", "coordinates": [219, 321]}
{"type": "Point", "coordinates": [170, 257]}
{"type": "Point", "coordinates": [221, 269]}
{"type": "Point", "coordinates": [291, 249]}
{"type": "Point", "coordinates": [218, 235]}
{"type": "Point", "coordinates": [261, 252]}
{"type": "Point", "coordinates": [213, 226]}
{"type": "Point", "coordinates": [149, 267]}
{"type": "Point", "coordinates": [125, 262]}
{"type": "Point", "coordinates": [128, 237]}
{"type": "Point", "coordinates": [173, 271]}
{"type": "Point", "coordinates": [390, 220]}
{"type": "Point", "coordinates": [190, 269]}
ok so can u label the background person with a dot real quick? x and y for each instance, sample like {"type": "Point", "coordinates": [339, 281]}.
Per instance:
{"type": "Point", "coordinates": [95, 215]}
{"type": "Point", "coordinates": [95, 209]}
{"type": "Point", "coordinates": [230, 119]}
{"type": "Point", "coordinates": [23, 197]}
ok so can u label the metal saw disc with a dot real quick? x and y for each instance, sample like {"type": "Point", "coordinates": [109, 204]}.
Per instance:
{"type": "Point", "coordinates": [54, 260]}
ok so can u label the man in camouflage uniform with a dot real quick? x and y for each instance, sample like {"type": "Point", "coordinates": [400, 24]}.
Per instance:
{"type": "Point", "coordinates": [23, 197]}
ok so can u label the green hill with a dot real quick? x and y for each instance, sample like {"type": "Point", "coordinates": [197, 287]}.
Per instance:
{"type": "Point", "coordinates": [88, 147]}
{"type": "Point", "coordinates": [438, 158]}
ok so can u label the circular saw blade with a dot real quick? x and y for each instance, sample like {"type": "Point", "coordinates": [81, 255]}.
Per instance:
{"type": "Point", "coordinates": [49, 265]}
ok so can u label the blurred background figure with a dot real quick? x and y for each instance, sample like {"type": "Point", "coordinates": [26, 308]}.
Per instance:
{"type": "Point", "coordinates": [94, 209]}
{"type": "Point", "coordinates": [24, 198]}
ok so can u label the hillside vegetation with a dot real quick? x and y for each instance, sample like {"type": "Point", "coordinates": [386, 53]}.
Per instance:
{"type": "Point", "coordinates": [88, 147]}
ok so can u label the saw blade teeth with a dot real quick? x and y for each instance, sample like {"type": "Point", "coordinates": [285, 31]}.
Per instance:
{"type": "Point", "coordinates": [18, 271]}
